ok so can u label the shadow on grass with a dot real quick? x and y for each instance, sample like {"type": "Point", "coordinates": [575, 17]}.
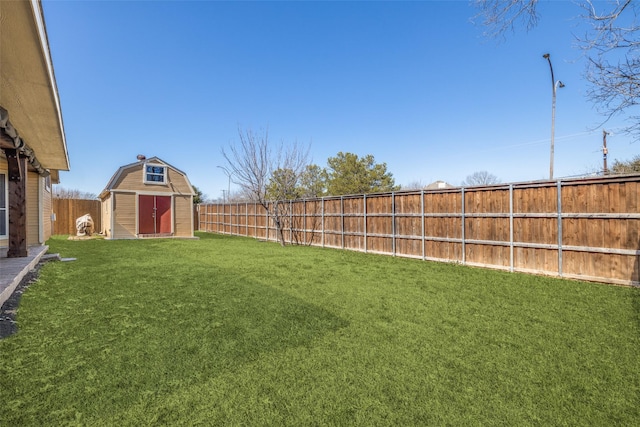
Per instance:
{"type": "Point", "coordinates": [126, 348]}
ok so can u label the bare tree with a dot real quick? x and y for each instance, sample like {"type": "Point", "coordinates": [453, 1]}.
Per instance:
{"type": "Point", "coordinates": [239, 196]}
{"type": "Point", "coordinates": [480, 178]}
{"type": "Point", "coordinates": [502, 16]}
{"type": "Point", "coordinates": [252, 163]}
{"type": "Point", "coordinates": [414, 185]}
{"type": "Point", "coordinates": [610, 44]}
{"type": "Point", "coordinates": [68, 193]}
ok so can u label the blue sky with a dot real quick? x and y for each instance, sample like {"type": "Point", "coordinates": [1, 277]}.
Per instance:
{"type": "Point", "coordinates": [413, 83]}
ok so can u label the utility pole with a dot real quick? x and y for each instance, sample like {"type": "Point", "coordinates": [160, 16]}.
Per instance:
{"type": "Point", "coordinates": [228, 173]}
{"type": "Point", "coordinates": [605, 151]}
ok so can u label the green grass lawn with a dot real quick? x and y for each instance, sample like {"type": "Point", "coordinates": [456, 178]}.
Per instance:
{"type": "Point", "coordinates": [232, 331]}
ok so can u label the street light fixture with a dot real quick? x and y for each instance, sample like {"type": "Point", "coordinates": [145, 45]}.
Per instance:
{"type": "Point", "coordinates": [554, 87]}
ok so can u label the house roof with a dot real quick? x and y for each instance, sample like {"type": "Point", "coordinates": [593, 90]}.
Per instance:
{"type": "Point", "coordinates": [28, 91]}
{"type": "Point", "coordinates": [437, 185]}
{"type": "Point", "coordinates": [152, 160]}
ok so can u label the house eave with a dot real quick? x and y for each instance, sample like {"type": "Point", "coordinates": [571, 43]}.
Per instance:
{"type": "Point", "coordinates": [28, 90]}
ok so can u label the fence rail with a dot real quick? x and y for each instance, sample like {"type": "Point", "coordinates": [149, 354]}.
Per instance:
{"type": "Point", "coordinates": [585, 229]}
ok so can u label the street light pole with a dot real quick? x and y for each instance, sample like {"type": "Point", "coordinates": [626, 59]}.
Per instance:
{"type": "Point", "coordinates": [226, 171]}
{"type": "Point", "coordinates": [554, 87]}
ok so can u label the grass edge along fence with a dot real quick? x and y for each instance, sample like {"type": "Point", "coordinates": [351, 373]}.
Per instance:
{"type": "Point", "coordinates": [587, 228]}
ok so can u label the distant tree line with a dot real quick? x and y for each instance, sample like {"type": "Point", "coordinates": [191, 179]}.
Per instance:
{"type": "Point", "coordinates": [68, 193]}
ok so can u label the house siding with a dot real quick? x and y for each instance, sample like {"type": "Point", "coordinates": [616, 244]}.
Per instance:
{"type": "Point", "coordinates": [183, 216]}
{"type": "Point", "coordinates": [106, 217]}
{"type": "Point", "coordinates": [124, 215]}
{"type": "Point", "coordinates": [47, 211]}
{"type": "Point", "coordinates": [178, 183]}
{"type": "Point", "coordinates": [33, 209]}
{"type": "Point", "coordinates": [132, 179]}
{"type": "Point", "coordinates": [35, 186]}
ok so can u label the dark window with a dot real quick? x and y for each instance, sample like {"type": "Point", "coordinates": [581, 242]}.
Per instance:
{"type": "Point", "coordinates": [155, 174]}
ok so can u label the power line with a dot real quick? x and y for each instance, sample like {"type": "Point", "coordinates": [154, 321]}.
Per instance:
{"type": "Point", "coordinates": [545, 141]}
{"type": "Point", "coordinates": [531, 143]}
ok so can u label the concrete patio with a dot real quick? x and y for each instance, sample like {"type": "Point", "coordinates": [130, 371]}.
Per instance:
{"type": "Point", "coordinates": [12, 270]}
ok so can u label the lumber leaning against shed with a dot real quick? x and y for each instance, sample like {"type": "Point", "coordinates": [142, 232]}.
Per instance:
{"type": "Point", "coordinates": [586, 228]}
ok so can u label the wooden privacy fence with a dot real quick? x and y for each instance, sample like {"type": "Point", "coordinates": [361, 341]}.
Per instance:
{"type": "Point", "coordinates": [67, 210]}
{"type": "Point", "coordinates": [585, 229]}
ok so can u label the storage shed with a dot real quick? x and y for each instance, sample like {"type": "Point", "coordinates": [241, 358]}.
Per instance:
{"type": "Point", "coordinates": [148, 198]}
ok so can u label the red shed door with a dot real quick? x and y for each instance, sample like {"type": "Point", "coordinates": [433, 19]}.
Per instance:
{"type": "Point", "coordinates": [154, 214]}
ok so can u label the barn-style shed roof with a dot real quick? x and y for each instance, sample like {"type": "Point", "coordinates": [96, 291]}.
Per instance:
{"type": "Point", "coordinates": [111, 185]}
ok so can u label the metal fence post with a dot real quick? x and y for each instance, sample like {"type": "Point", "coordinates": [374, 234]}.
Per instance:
{"type": "Point", "coordinates": [364, 199]}
{"type": "Point", "coordinates": [322, 226]}
{"type": "Point", "coordinates": [464, 250]}
{"type": "Point", "coordinates": [559, 190]}
{"type": "Point", "coordinates": [393, 223]}
{"type": "Point", "coordinates": [342, 219]}
{"type": "Point", "coordinates": [424, 249]}
{"type": "Point", "coordinates": [266, 224]}
{"type": "Point", "coordinates": [511, 261]}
